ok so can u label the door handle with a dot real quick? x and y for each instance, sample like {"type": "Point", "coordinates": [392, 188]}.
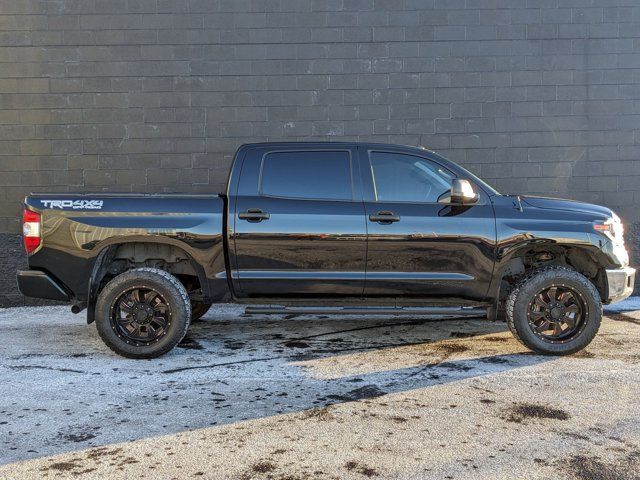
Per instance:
{"type": "Point", "coordinates": [384, 217]}
{"type": "Point", "coordinates": [254, 215]}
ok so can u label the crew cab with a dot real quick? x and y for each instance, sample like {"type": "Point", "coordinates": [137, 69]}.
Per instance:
{"type": "Point", "coordinates": [357, 228]}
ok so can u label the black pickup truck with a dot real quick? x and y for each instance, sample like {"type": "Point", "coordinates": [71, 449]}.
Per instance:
{"type": "Point", "coordinates": [357, 228]}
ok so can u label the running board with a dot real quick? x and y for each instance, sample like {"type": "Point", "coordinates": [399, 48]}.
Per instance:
{"type": "Point", "coordinates": [457, 311]}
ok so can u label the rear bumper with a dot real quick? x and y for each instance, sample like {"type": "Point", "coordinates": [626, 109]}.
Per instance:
{"type": "Point", "coordinates": [34, 283]}
{"type": "Point", "coordinates": [620, 282]}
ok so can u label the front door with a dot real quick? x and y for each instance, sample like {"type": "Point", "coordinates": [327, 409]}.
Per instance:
{"type": "Point", "coordinates": [299, 224]}
{"type": "Point", "coordinates": [419, 244]}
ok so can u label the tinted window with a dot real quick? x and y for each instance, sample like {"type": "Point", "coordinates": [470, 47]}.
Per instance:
{"type": "Point", "coordinates": [406, 178]}
{"type": "Point", "coordinates": [321, 175]}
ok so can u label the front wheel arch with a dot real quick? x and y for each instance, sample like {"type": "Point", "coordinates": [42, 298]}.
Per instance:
{"type": "Point", "coordinates": [532, 256]}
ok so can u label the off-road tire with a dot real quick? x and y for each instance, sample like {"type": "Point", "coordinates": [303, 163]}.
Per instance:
{"type": "Point", "coordinates": [527, 287]}
{"type": "Point", "coordinates": [199, 309]}
{"type": "Point", "coordinates": [174, 294]}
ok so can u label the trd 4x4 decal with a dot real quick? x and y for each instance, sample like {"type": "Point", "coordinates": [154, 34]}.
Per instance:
{"type": "Point", "coordinates": [73, 204]}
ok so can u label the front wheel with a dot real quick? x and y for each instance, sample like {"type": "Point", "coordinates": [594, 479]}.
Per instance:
{"type": "Point", "coordinates": [554, 311]}
{"type": "Point", "coordinates": [143, 313]}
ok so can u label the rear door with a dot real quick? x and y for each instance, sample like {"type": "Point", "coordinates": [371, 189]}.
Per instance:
{"type": "Point", "coordinates": [299, 224]}
{"type": "Point", "coordinates": [419, 244]}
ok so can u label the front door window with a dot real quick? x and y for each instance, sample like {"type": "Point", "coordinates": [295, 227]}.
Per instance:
{"type": "Point", "coordinates": [407, 178]}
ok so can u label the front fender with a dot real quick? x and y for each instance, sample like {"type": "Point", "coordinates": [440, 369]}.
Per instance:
{"type": "Point", "coordinates": [532, 229]}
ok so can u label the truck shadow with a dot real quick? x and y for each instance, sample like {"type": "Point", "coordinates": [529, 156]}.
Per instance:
{"type": "Point", "coordinates": [332, 360]}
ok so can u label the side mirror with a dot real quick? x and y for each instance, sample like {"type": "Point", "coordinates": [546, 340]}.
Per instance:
{"type": "Point", "coordinates": [462, 192]}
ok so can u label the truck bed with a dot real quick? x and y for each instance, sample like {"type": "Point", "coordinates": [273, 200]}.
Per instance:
{"type": "Point", "coordinates": [77, 228]}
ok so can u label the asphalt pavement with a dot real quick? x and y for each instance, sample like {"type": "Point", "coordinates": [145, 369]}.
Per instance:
{"type": "Point", "coordinates": [286, 397]}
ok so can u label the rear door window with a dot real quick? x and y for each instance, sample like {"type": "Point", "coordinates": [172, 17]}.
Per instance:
{"type": "Point", "coordinates": [320, 175]}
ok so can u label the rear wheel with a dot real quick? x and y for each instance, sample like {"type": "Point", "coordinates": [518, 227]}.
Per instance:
{"type": "Point", "coordinates": [199, 309]}
{"type": "Point", "coordinates": [143, 313]}
{"type": "Point", "coordinates": [554, 311]}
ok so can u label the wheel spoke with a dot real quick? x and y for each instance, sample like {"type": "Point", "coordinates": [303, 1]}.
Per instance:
{"type": "Point", "coordinates": [160, 308]}
{"type": "Point", "coordinates": [150, 297]}
{"type": "Point", "coordinates": [573, 309]}
{"type": "Point", "coordinates": [151, 331]}
{"type": "Point", "coordinates": [540, 301]}
{"type": "Point", "coordinates": [535, 316]}
{"type": "Point", "coordinates": [133, 329]}
{"type": "Point", "coordinates": [570, 321]}
{"type": "Point", "coordinates": [160, 321]}
{"type": "Point", "coordinates": [552, 293]}
{"type": "Point", "coordinates": [145, 332]}
{"type": "Point", "coordinates": [135, 294]}
{"type": "Point", "coordinates": [566, 298]}
{"type": "Point", "coordinates": [126, 320]}
{"type": "Point", "coordinates": [128, 301]}
{"type": "Point", "coordinates": [557, 329]}
{"type": "Point", "coordinates": [541, 327]}
{"type": "Point", "coordinates": [125, 308]}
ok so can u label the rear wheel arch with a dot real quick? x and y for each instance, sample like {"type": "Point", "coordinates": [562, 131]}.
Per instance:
{"type": "Point", "coordinates": [119, 257]}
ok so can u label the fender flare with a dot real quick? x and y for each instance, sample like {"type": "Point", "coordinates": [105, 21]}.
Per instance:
{"type": "Point", "coordinates": [516, 251]}
{"type": "Point", "coordinates": [106, 253]}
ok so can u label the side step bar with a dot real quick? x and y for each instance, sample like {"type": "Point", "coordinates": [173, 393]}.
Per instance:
{"type": "Point", "coordinates": [457, 311]}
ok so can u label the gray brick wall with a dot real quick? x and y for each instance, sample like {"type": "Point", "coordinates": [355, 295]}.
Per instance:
{"type": "Point", "coordinates": [536, 96]}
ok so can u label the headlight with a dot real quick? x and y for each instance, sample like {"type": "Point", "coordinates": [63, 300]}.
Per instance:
{"type": "Point", "coordinates": [618, 228]}
{"type": "Point", "coordinates": [614, 229]}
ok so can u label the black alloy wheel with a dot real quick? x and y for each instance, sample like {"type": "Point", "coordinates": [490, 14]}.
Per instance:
{"type": "Point", "coordinates": [554, 310]}
{"type": "Point", "coordinates": [143, 313]}
{"type": "Point", "coordinates": [140, 316]}
{"type": "Point", "coordinates": [556, 314]}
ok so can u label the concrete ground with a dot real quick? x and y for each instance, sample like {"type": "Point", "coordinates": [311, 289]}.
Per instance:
{"type": "Point", "coordinates": [317, 397]}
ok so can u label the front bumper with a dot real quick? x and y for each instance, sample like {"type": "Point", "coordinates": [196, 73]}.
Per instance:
{"type": "Point", "coordinates": [34, 283]}
{"type": "Point", "coordinates": [620, 283]}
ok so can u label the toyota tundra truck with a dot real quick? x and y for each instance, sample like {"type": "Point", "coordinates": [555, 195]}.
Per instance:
{"type": "Point", "coordinates": [328, 228]}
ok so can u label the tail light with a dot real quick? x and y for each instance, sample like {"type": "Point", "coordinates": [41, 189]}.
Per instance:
{"type": "Point", "coordinates": [31, 230]}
